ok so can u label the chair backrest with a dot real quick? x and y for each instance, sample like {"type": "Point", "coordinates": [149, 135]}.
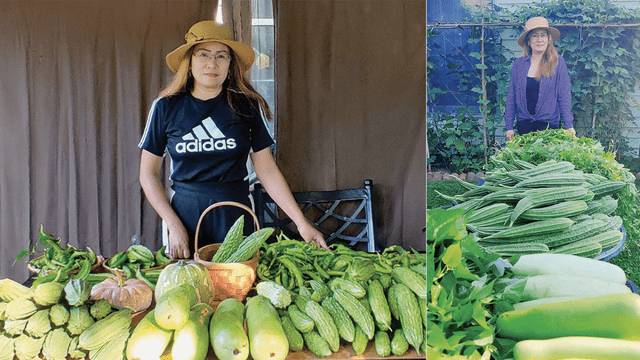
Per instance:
{"type": "Point", "coordinates": [341, 215]}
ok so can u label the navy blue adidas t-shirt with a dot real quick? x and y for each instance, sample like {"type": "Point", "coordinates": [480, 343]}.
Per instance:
{"type": "Point", "coordinates": [205, 139]}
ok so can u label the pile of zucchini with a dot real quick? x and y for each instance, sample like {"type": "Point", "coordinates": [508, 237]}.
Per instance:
{"type": "Point", "coordinates": [523, 208]}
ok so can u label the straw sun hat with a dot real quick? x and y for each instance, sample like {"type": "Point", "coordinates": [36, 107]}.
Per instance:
{"type": "Point", "coordinates": [538, 23]}
{"type": "Point", "coordinates": [206, 31]}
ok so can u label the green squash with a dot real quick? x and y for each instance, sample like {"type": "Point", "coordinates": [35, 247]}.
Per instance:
{"type": "Point", "coordinates": [191, 341]}
{"type": "Point", "coordinates": [172, 309]}
{"type": "Point", "coordinates": [228, 338]}
{"type": "Point", "coordinates": [267, 340]}
{"type": "Point", "coordinates": [148, 339]}
{"type": "Point", "coordinates": [187, 272]}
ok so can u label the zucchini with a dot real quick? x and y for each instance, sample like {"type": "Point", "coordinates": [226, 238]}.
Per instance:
{"type": "Point", "coordinates": [614, 316]}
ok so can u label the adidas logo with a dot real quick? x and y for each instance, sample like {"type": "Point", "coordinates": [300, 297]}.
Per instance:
{"type": "Point", "coordinates": [205, 138]}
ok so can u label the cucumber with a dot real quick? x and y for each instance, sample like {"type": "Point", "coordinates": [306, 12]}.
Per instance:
{"type": "Point", "coordinates": [267, 340]}
{"type": "Point", "coordinates": [226, 332]}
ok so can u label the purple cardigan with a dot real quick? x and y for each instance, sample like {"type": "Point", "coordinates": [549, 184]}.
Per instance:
{"type": "Point", "coordinates": [554, 99]}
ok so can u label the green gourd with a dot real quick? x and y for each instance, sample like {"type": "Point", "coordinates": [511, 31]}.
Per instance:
{"type": "Point", "coordinates": [148, 339]}
{"type": "Point", "coordinates": [172, 309]}
{"type": "Point", "coordinates": [187, 272]}
{"type": "Point", "coordinates": [267, 340]}
{"type": "Point", "coordinates": [226, 332]}
{"type": "Point", "coordinates": [191, 341]}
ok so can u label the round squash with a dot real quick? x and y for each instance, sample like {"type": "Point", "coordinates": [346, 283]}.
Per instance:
{"type": "Point", "coordinates": [187, 272]}
{"type": "Point", "coordinates": [133, 294]}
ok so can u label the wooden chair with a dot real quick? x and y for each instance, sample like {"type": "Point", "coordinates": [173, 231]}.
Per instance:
{"type": "Point", "coordinates": [341, 215]}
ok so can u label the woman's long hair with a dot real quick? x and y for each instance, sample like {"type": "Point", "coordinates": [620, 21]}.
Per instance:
{"type": "Point", "coordinates": [237, 83]}
{"type": "Point", "coordinates": [549, 59]}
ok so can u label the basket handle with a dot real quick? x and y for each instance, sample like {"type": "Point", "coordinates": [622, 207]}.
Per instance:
{"type": "Point", "coordinates": [219, 204]}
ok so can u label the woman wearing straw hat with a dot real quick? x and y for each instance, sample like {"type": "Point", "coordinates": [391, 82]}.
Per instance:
{"type": "Point", "coordinates": [539, 93]}
{"type": "Point", "coordinates": [209, 120]}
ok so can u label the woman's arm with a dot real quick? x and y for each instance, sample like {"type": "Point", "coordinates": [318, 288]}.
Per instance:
{"type": "Point", "coordinates": [564, 96]}
{"type": "Point", "coordinates": [150, 166]}
{"type": "Point", "coordinates": [510, 107]}
{"type": "Point", "coordinates": [277, 187]}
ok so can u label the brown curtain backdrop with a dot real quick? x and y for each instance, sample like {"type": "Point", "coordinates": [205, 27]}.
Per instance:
{"type": "Point", "coordinates": [351, 90]}
{"type": "Point", "coordinates": [76, 83]}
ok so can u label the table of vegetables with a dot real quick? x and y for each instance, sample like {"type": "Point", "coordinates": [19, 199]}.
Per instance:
{"type": "Point", "coordinates": [140, 304]}
{"type": "Point", "coordinates": [517, 264]}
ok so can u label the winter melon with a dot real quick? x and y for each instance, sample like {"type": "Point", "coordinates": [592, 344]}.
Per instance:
{"type": "Point", "coordinates": [228, 339]}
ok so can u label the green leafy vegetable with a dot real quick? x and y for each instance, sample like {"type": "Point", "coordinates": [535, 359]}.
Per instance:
{"type": "Point", "coordinates": [468, 288]}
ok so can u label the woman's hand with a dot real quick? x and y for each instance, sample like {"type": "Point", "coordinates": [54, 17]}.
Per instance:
{"type": "Point", "coordinates": [179, 242]}
{"type": "Point", "coordinates": [312, 235]}
{"type": "Point", "coordinates": [277, 187]}
{"type": "Point", "coordinates": [572, 130]}
{"type": "Point", "coordinates": [150, 165]}
{"type": "Point", "coordinates": [510, 135]}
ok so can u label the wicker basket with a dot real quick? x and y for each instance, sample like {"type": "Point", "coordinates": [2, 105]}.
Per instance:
{"type": "Point", "coordinates": [229, 279]}
{"type": "Point", "coordinates": [95, 268]}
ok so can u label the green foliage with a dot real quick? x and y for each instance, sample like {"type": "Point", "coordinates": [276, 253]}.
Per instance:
{"type": "Point", "coordinates": [460, 139]}
{"type": "Point", "coordinates": [467, 288]}
{"type": "Point", "coordinates": [603, 64]}
{"type": "Point", "coordinates": [455, 139]}
{"type": "Point", "coordinates": [446, 187]}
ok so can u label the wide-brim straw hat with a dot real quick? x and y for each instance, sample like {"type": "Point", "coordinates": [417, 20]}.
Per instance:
{"type": "Point", "coordinates": [207, 31]}
{"type": "Point", "coordinates": [538, 23]}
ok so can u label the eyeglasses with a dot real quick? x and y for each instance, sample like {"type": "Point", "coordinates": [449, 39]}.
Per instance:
{"type": "Point", "coordinates": [539, 36]}
{"type": "Point", "coordinates": [205, 57]}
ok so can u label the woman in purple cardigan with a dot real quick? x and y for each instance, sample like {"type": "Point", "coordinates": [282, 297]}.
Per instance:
{"type": "Point", "coordinates": [539, 91]}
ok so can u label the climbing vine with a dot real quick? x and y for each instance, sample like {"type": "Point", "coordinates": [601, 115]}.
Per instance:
{"type": "Point", "coordinates": [461, 139]}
